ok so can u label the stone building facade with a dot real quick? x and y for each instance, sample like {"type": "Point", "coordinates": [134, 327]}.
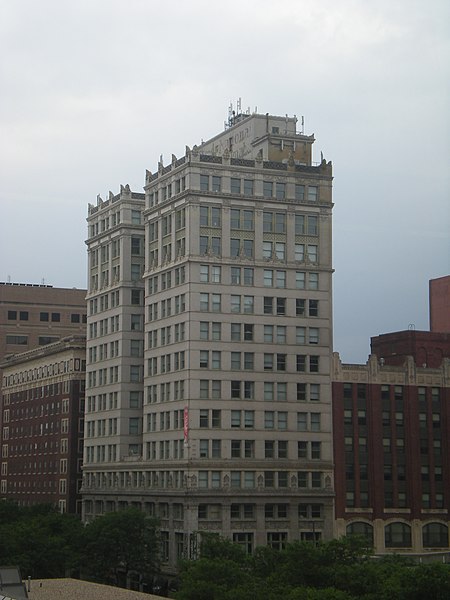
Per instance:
{"type": "Point", "coordinates": [231, 431]}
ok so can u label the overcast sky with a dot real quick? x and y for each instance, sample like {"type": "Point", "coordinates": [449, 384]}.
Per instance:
{"type": "Point", "coordinates": [93, 91]}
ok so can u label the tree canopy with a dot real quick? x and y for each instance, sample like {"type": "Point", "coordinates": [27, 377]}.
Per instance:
{"type": "Point", "coordinates": [337, 570]}
{"type": "Point", "coordinates": [45, 543]}
{"type": "Point", "coordinates": [119, 543]}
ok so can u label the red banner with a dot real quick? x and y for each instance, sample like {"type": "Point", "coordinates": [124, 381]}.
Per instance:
{"type": "Point", "coordinates": [186, 423]}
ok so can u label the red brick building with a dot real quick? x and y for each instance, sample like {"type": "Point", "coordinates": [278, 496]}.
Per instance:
{"type": "Point", "coordinates": [42, 424]}
{"type": "Point", "coordinates": [440, 304]}
{"type": "Point", "coordinates": [391, 420]}
{"type": "Point", "coordinates": [427, 349]}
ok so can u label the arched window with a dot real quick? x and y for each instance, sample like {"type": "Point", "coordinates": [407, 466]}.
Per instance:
{"type": "Point", "coordinates": [362, 529]}
{"type": "Point", "coordinates": [397, 535]}
{"type": "Point", "coordinates": [435, 535]}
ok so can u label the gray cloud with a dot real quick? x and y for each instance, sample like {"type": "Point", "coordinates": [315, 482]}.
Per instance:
{"type": "Point", "coordinates": [94, 91]}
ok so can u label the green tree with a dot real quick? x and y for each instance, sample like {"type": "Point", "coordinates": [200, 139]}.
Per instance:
{"type": "Point", "coordinates": [419, 582]}
{"type": "Point", "coordinates": [41, 541]}
{"type": "Point", "coordinates": [120, 544]}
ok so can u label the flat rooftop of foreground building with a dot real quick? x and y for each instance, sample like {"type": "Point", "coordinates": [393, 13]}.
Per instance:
{"type": "Point", "coordinates": [76, 589]}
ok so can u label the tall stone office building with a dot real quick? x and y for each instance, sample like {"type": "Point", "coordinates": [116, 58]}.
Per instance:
{"type": "Point", "coordinates": [225, 423]}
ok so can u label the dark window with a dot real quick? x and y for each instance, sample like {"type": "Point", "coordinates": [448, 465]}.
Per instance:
{"type": "Point", "coordinates": [19, 340]}
{"type": "Point", "coordinates": [46, 339]}
{"type": "Point", "coordinates": [314, 364]}
{"type": "Point", "coordinates": [74, 318]}
{"type": "Point", "coordinates": [313, 308]}
{"type": "Point", "coordinates": [12, 315]}
{"type": "Point", "coordinates": [281, 306]}
{"type": "Point", "coordinates": [23, 315]}
{"type": "Point", "coordinates": [301, 362]}
{"type": "Point", "coordinates": [136, 297]}
{"type": "Point", "coordinates": [56, 317]}
{"type": "Point", "coordinates": [268, 305]}
{"type": "Point", "coordinates": [397, 535]}
{"type": "Point", "coordinates": [435, 535]}
{"type": "Point", "coordinates": [361, 529]}
{"type": "Point", "coordinates": [43, 316]}
{"type": "Point", "coordinates": [300, 307]}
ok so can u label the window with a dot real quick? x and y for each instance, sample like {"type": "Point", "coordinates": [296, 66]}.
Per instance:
{"type": "Point", "coordinates": [235, 304]}
{"type": "Point", "coordinates": [300, 307]}
{"type": "Point", "coordinates": [301, 363]}
{"type": "Point", "coordinates": [210, 216]}
{"type": "Point", "coordinates": [313, 335]}
{"type": "Point", "coordinates": [435, 535]}
{"type": "Point", "coordinates": [267, 189]}
{"type": "Point", "coordinates": [312, 193]}
{"type": "Point", "coordinates": [281, 306]}
{"type": "Point", "coordinates": [280, 191]}
{"type": "Point", "coordinates": [361, 529]}
{"type": "Point", "coordinates": [299, 192]}
{"type": "Point", "coordinates": [300, 279]}
{"type": "Point", "coordinates": [236, 332]}
{"type": "Point", "coordinates": [281, 334]}
{"type": "Point", "coordinates": [274, 222]}
{"type": "Point", "coordinates": [44, 316]}
{"type": "Point", "coordinates": [300, 252]}
{"type": "Point", "coordinates": [133, 425]}
{"type": "Point", "coordinates": [302, 421]}
{"type": "Point", "coordinates": [397, 535]}
{"type": "Point", "coordinates": [313, 364]}
{"type": "Point", "coordinates": [277, 539]}
{"type": "Point", "coordinates": [245, 540]}
{"type": "Point", "coordinates": [248, 187]}
{"type": "Point", "coordinates": [210, 245]}
{"type": "Point", "coordinates": [137, 242]}
{"type": "Point", "coordinates": [313, 308]}
{"type": "Point", "coordinates": [235, 185]}
{"type": "Point", "coordinates": [301, 392]}
{"type": "Point", "coordinates": [248, 332]}
{"type": "Point", "coordinates": [136, 297]}
{"type": "Point", "coordinates": [316, 450]}
{"type": "Point", "coordinates": [313, 281]}
{"type": "Point", "coordinates": [268, 333]}
{"type": "Point", "coordinates": [302, 449]}
{"type": "Point", "coordinates": [300, 335]}
{"type": "Point", "coordinates": [242, 219]}
{"type": "Point", "coordinates": [240, 247]}
{"type": "Point", "coordinates": [299, 224]}
{"type": "Point", "coordinates": [312, 225]}
{"type": "Point", "coordinates": [18, 340]}
{"type": "Point", "coordinates": [204, 183]}
{"type": "Point", "coordinates": [269, 419]}
{"type": "Point", "coordinates": [312, 253]}
{"type": "Point", "coordinates": [268, 305]}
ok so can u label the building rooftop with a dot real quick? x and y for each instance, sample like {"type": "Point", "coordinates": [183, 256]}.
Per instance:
{"type": "Point", "coordinates": [75, 589]}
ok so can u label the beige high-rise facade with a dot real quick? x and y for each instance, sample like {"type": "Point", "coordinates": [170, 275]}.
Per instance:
{"type": "Point", "coordinates": [235, 425]}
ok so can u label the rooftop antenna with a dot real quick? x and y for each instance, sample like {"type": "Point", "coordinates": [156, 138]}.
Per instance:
{"type": "Point", "coordinates": [230, 116]}
{"type": "Point", "coordinates": [9, 278]}
{"type": "Point", "coordinates": [43, 281]}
